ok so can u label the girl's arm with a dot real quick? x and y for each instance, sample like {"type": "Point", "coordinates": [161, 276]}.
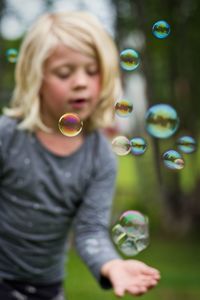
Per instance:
{"type": "Point", "coordinates": [92, 236]}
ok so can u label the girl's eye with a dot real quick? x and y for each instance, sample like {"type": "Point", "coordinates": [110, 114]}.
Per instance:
{"type": "Point", "coordinates": [93, 71]}
{"type": "Point", "coordinates": [63, 75]}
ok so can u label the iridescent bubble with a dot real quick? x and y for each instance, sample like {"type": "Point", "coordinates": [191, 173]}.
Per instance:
{"type": "Point", "coordinates": [131, 233]}
{"type": "Point", "coordinates": [121, 145]}
{"type": "Point", "coordinates": [12, 55]}
{"type": "Point", "coordinates": [70, 124]}
{"type": "Point", "coordinates": [161, 29]}
{"type": "Point", "coordinates": [123, 108]}
{"type": "Point", "coordinates": [129, 59]}
{"type": "Point", "coordinates": [134, 223]}
{"type": "Point", "coordinates": [173, 160]}
{"type": "Point", "coordinates": [138, 145]}
{"type": "Point", "coordinates": [162, 121]}
{"type": "Point", "coordinates": [136, 226]}
{"type": "Point", "coordinates": [187, 144]}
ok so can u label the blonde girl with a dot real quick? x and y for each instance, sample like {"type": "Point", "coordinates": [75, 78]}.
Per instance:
{"type": "Point", "coordinates": [49, 182]}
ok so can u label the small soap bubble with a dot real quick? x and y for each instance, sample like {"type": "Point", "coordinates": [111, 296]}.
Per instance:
{"type": "Point", "coordinates": [162, 121]}
{"type": "Point", "coordinates": [121, 145]}
{"type": "Point", "coordinates": [161, 29]}
{"type": "Point", "coordinates": [129, 59]}
{"type": "Point", "coordinates": [138, 145]}
{"type": "Point", "coordinates": [70, 124]}
{"type": "Point", "coordinates": [131, 233]}
{"type": "Point", "coordinates": [12, 55]}
{"type": "Point", "coordinates": [173, 160]}
{"type": "Point", "coordinates": [187, 144]}
{"type": "Point", "coordinates": [123, 108]}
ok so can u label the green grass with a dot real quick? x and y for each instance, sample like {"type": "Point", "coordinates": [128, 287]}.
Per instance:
{"type": "Point", "coordinates": [178, 262]}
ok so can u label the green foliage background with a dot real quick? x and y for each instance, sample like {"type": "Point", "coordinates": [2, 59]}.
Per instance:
{"type": "Point", "coordinates": [170, 199]}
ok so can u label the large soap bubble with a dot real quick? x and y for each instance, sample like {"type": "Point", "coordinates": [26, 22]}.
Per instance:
{"type": "Point", "coordinates": [131, 233]}
{"type": "Point", "coordinates": [162, 121]}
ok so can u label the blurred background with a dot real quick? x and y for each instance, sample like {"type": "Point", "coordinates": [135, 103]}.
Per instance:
{"type": "Point", "coordinates": [168, 73]}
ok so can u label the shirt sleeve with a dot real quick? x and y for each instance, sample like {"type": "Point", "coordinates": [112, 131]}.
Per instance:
{"type": "Point", "coordinates": [92, 222]}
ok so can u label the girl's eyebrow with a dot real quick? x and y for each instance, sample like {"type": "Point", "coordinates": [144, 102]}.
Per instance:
{"type": "Point", "coordinates": [72, 65]}
{"type": "Point", "coordinates": [66, 65]}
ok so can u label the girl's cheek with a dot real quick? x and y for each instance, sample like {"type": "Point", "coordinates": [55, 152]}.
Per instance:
{"type": "Point", "coordinates": [58, 87]}
{"type": "Point", "coordinates": [95, 82]}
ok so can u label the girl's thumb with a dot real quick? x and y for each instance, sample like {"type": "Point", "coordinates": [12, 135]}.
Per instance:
{"type": "Point", "coordinates": [119, 291]}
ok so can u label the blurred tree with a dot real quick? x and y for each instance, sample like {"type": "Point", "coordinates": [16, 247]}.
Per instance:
{"type": "Point", "coordinates": [170, 67]}
{"type": "Point", "coordinates": [2, 6]}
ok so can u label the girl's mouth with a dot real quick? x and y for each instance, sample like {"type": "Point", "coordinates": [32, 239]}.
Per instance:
{"type": "Point", "coordinates": [78, 103]}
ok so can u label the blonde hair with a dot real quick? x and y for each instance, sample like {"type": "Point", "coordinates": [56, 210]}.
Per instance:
{"type": "Point", "coordinates": [80, 31]}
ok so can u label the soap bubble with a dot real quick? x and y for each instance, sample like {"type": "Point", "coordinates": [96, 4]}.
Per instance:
{"type": "Point", "coordinates": [173, 160]}
{"type": "Point", "coordinates": [121, 145]}
{"type": "Point", "coordinates": [129, 59]}
{"type": "Point", "coordinates": [138, 145]}
{"type": "Point", "coordinates": [162, 121]}
{"type": "Point", "coordinates": [12, 55]}
{"type": "Point", "coordinates": [70, 124]}
{"type": "Point", "coordinates": [161, 29]}
{"type": "Point", "coordinates": [187, 144]}
{"type": "Point", "coordinates": [131, 233]}
{"type": "Point", "coordinates": [123, 108]}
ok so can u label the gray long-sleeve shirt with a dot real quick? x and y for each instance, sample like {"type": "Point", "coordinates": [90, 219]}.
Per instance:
{"type": "Point", "coordinates": [42, 194]}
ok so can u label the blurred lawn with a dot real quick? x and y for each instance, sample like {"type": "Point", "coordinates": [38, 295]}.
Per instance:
{"type": "Point", "coordinates": [177, 259]}
{"type": "Point", "coordinates": [178, 262]}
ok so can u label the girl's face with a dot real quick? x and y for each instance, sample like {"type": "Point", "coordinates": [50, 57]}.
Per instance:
{"type": "Point", "coordinates": [71, 84]}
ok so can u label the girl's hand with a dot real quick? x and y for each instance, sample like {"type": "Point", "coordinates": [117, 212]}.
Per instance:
{"type": "Point", "coordinates": [131, 276]}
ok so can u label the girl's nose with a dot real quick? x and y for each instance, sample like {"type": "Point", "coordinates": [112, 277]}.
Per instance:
{"type": "Point", "coordinates": [80, 79]}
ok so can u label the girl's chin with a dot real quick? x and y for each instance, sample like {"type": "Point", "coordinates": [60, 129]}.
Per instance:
{"type": "Point", "coordinates": [81, 114]}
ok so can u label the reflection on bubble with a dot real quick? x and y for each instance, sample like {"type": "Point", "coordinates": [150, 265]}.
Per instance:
{"type": "Point", "coordinates": [121, 145]}
{"type": "Point", "coordinates": [138, 145]}
{"type": "Point", "coordinates": [70, 124]}
{"type": "Point", "coordinates": [162, 121]}
{"type": "Point", "coordinates": [187, 144]}
{"type": "Point", "coordinates": [173, 160]}
{"type": "Point", "coordinates": [12, 55]}
{"type": "Point", "coordinates": [123, 108]}
{"type": "Point", "coordinates": [129, 59]}
{"type": "Point", "coordinates": [161, 29]}
{"type": "Point", "coordinates": [131, 233]}
{"type": "Point", "coordinates": [118, 233]}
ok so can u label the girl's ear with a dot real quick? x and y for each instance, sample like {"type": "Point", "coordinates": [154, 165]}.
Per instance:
{"type": "Point", "coordinates": [41, 85]}
{"type": "Point", "coordinates": [40, 90]}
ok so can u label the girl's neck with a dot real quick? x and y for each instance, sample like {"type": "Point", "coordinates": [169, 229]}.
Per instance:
{"type": "Point", "coordinates": [59, 144]}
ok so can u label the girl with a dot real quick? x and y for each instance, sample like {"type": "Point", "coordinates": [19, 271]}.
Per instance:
{"type": "Point", "coordinates": [48, 181]}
